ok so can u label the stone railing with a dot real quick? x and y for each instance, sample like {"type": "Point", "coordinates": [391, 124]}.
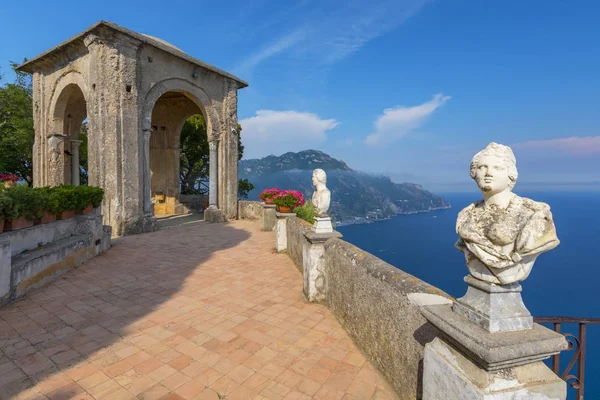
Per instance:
{"type": "Point", "coordinates": [32, 256]}
{"type": "Point", "coordinates": [376, 303]}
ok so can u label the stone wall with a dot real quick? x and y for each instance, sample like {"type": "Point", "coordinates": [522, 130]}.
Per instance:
{"type": "Point", "coordinates": [369, 298]}
{"type": "Point", "coordinates": [251, 210]}
{"type": "Point", "coordinates": [32, 256]}
{"type": "Point", "coordinates": [296, 240]}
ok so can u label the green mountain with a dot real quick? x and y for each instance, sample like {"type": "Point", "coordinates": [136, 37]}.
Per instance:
{"type": "Point", "coordinates": [355, 196]}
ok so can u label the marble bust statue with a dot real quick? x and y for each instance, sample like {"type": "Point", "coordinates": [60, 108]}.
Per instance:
{"type": "Point", "coordinates": [322, 196]}
{"type": "Point", "coordinates": [502, 235]}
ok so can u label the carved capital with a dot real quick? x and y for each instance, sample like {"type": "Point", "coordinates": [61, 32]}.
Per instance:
{"type": "Point", "coordinates": [213, 145]}
{"type": "Point", "coordinates": [147, 134]}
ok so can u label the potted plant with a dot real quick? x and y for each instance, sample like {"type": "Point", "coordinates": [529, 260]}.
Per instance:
{"type": "Point", "coordinates": [9, 180]}
{"type": "Point", "coordinates": [50, 205]}
{"type": "Point", "coordinates": [89, 197]}
{"type": "Point", "coordinates": [267, 195]}
{"type": "Point", "coordinates": [65, 199]}
{"type": "Point", "coordinates": [27, 207]}
{"type": "Point", "coordinates": [8, 209]}
{"type": "Point", "coordinates": [306, 212]}
{"type": "Point", "coordinates": [287, 200]}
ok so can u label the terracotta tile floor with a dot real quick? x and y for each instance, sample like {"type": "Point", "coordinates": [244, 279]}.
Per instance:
{"type": "Point", "coordinates": [198, 311]}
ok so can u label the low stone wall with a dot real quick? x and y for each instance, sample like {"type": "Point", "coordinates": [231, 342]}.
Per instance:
{"type": "Point", "coordinates": [192, 203]}
{"type": "Point", "coordinates": [250, 209]}
{"type": "Point", "coordinates": [32, 256]}
{"type": "Point", "coordinates": [369, 297]}
{"type": "Point", "coordinates": [296, 239]}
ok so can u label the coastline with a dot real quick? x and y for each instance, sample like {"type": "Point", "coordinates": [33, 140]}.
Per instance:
{"type": "Point", "coordinates": [364, 220]}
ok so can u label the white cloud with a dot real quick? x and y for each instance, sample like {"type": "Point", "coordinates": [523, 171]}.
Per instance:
{"type": "Point", "coordinates": [276, 132]}
{"type": "Point", "coordinates": [574, 146]}
{"type": "Point", "coordinates": [399, 121]}
{"type": "Point", "coordinates": [333, 31]}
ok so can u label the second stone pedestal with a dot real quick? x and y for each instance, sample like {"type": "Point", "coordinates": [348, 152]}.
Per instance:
{"type": "Point", "coordinates": [281, 231]}
{"type": "Point", "coordinates": [313, 264]}
{"type": "Point", "coordinates": [269, 219]}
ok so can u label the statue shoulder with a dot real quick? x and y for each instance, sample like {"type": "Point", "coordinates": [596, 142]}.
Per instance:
{"type": "Point", "coordinates": [468, 209]}
{"type": "Point", "coordinates": [535, 206]}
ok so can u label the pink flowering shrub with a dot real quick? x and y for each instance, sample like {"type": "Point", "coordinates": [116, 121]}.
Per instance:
{"type": "Point", "coordinates": [9, 178]}
{"type": "Point", "coordinates": [289, 198]}
{"type": "Point", "coordinates": [269, 193]}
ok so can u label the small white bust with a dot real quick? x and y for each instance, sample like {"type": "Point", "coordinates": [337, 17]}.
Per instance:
{"type": "Point", "coordinates": [502, 235]}
{"type": "Point", "coordinates": [322, 196]}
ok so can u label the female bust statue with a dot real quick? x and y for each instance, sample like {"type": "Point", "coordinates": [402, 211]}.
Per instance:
{"type": "Point", "coordinates": [322, 196]}
{"type": "Point", "coordinates": [503, 234]}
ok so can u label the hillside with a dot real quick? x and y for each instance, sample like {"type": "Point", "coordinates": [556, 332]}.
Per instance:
{"type": "Point", "coordinates": [356, 196]}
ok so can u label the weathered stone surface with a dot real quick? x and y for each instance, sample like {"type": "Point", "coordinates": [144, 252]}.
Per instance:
{"type": "Point", "coordinates": [251, 210]}
{"type": "Point", "coordinates": [5, 268]}
{"type": "Point", "coordinates": [126, 84]}
{"type": "Point", "coordinates": [296, 239]}
{"type": "Point", "coordinates": [502, 235]}
{"type": "Point", "coordinates": [496, 308]}
{"type": "Point", "coordinates": [269, 219]}
{"type": "Point", "coordinates": [213, 214]}
{"type": "Point", "coordinates": [447, 374]}
{"type": "Point", "coordinates": [313, 264]}
{"type": "Point", "coordinates": [495, 351]}
{"type": "Point", "coordinates": [281, 231]}
{"type": "Point", "coordinates": [369, 298]}
{"type": "Point", "coordinates": [322, 225]}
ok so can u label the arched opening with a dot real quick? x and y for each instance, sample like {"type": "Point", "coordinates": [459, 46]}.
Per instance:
{"type": "Point", "coordinates": [70, 125]}
{"type": "Point", "coordinates": [178, 155]}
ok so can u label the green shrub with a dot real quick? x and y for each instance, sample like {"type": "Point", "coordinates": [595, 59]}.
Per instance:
{"type": "Point", "coordinates": [27, 202]}
{"type": "Point", "coordinates": [8, 208]}
{"type": "Point", "coordinates": [306, 212]}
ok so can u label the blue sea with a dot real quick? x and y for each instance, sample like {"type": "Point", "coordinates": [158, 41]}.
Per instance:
{"type": "Point", "coordinates": [564, 281]}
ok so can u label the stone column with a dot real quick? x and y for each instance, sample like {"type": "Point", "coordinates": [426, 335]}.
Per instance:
{"type": "Point", "coordinates": [313, 264]}
{"type": "Point", "coordinates": [281, 231]}
{"type": "Point", "coordinates": [213, 173]}
{"type": "Point", "coordinates": [269, 220]}
{"type": "Point", "coordinates": [75, 162]}
{"type": "Point", "coordinates": [147, 176]}
{"type": "Point", "coordinates": [213, 213]}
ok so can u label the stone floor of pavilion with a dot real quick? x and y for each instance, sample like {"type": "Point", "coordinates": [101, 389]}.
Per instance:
{"type": "Point", "coordinates": [197, 311]}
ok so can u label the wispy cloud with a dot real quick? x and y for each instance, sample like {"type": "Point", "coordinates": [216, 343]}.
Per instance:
{"type": "Point", "coordinates": [399, 121]}
{"type": "Point", "coordinates": [333, 32]}
{"type": "Point", "coordinates": [276, 132]}
{"type": "Point", "coordinates": [574, 146]}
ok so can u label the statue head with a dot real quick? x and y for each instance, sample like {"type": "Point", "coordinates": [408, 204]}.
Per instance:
{"type": "Point", "coordinates": [319, 176]}
{"type": "Point", "coordinates": [494, 168]}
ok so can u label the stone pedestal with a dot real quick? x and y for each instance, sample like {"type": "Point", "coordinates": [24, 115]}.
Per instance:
{"type": "Point", "coordinates": [493, 307]}
{"type": "Point", "coordinates": [322, 225]}
{"type": "Point", "coordinates": [448, 374]}
{"type": "Point", "coordinates": [313, 264]}
{"type": "Point", "coordinates": [468, 362]}
{"type": "Point", "coordinates": [269, 217]}
{"type": "Point", "coordinates": [5, 268]}
{"type": "Point", "coordinates": [213, 214]}
{"type": "Point", "coordinates": [281, 231]}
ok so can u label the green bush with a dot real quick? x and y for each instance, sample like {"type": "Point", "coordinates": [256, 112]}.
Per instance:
{"type": "Point", "coordinates": [306, 212]}
{"type": "Point", "coordinates": [23, 201]}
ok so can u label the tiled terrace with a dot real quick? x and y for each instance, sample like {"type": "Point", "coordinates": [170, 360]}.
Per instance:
{"type": "Point", "coordinates": [198, 311]}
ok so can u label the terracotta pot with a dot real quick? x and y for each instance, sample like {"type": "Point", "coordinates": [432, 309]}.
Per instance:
{"type": "Point", "coordinates": [19, 223]}
{"type": "Point", "coordinates": [9, 184]}
{"type": "Point", "coordinates": [65, 215]}
{"type": "Point", "coordinates": [86, 210]}
{"type": "Point", "coordinates": [1, 225]}
{"type": "Point", "coordinates": [284, 209]}
{"type": "Point", "coordinates": [47, 218]}
{"type": "Point", "coordinates": [269, 200]}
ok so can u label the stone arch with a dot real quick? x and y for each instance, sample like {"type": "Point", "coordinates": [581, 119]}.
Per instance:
{"type": "Point", "coordinates": [193, 92]}
{"type": "Point", "coordinates": [68, 108]}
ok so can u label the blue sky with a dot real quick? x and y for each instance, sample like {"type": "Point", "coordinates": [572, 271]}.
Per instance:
{"type": "Point", "coordinates": [409, 88]}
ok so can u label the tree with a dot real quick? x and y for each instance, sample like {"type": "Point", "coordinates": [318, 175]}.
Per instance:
{"type": "Point", "coordinates": [83, 154]}
{"type": "Point", "coordinates": [194, 158]}
{"type": "Point", "coordinates": [16, 127]}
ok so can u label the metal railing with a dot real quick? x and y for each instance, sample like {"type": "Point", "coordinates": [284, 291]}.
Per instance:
{"type": "Point", "coordinates": [577, 344]}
